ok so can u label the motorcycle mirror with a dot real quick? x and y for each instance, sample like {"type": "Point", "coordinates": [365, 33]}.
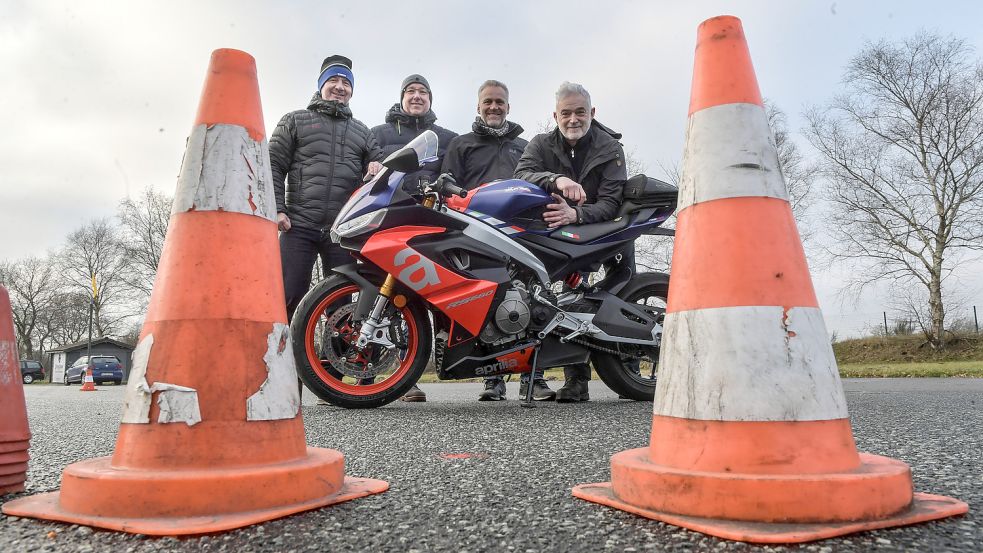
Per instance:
{"type": "Point", "coordinates": [404, 161]}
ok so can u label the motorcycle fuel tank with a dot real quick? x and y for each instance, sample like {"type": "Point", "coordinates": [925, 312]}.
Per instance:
{"type": "Point", "coordinates": [513, 206]}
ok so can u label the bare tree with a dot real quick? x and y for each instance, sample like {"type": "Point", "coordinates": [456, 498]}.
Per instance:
{"type": "Point", "coordinates": [68, 320]}
{"type": "Point", "coordinates": [143, 228]}
{"type": "Point", "coordinates": [655, 253]}
{"type": "Point", "coordinates": [95, 251]}
{"type": "Point", "coordinates": [32, 286]}
{"type": "Point", "coordinates": [798, 174]}
{"type": "Point", "coordinates": [902, 153]}
{"type": "Point", "coordinates": [634, 165]}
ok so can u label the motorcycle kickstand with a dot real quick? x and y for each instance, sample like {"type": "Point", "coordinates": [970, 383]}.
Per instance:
{"type": "Point", "coordinates": [527, 400]}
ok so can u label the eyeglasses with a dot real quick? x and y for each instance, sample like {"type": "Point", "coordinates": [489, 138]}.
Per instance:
{"type": "Point", "coordinates": [420, 91]}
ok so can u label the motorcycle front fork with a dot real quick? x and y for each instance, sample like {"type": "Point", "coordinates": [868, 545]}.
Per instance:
{"type": "Point", "coordinates": [374, 326]}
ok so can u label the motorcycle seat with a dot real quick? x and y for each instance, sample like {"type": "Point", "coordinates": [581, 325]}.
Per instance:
{"type": "Point", "coordinates": [582, 234]}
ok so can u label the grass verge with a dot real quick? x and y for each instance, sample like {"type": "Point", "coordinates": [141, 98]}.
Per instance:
{"type": "Point", "coordinates": [944, 369]}
{"type": "Point", "coordinates": [963, 369]}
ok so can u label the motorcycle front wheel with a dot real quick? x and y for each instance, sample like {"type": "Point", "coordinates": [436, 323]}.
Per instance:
{"type": "Point", "coordinates": [634, 374]}
{"type": "Point", "coordinates": [323, 334]}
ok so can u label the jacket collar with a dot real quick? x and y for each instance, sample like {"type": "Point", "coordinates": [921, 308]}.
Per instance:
{"type": "Point", "coordinates": [331, 108]}
{"type": "Point", "coordinates": [605, 146]}
{"type": "Point", "coordinates": [397, 115]}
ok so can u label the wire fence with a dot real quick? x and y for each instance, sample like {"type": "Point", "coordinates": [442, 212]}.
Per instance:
{"type": "Point", "coordinates": [962, 321]}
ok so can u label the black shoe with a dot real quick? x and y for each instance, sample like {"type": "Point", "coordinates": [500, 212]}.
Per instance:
{"type": "Point", "coordinates": [415, 394]}
{"type": "Point", "coordinates": [540, 391]}
{"type": "Point", "coordinates": [573, 390]}
{"type": "Point", "coordinates": [494, 390]}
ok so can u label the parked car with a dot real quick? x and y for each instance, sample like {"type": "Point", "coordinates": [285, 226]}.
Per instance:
{"type": "Point", "coordinates": [104, 368]}
{"type": "Point", "coordinates": [31, 371]}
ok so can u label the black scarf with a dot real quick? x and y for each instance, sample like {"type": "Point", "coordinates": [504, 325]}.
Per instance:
{"type": "Point", "coordinates": [480, 128]}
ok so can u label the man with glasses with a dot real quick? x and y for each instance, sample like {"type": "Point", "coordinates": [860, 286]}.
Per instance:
{"type": "Point", "coordinates": [405, 120]}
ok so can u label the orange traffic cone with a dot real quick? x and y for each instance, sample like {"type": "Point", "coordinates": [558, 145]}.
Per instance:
{"type": "Point", "coordinates": [14, 432]}
{"type": "Point", "coordinates": [88, 384]}
{"type": "Point", "coordinates": [211, 435]}
{"type": "Point", "coordinates": [750, 435]}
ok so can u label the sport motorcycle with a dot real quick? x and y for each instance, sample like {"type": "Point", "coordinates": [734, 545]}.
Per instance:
{"type": "Point", "coordinates": [477, 279]}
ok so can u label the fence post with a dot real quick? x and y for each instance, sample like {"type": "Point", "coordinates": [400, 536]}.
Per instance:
{"type": "Point", "coordinates": [885, 323]}
{"type": "Point", "coordinates": [976, 320]}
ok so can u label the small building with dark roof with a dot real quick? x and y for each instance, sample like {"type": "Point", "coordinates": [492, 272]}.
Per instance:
{"type": "Point", "coordinates": [64, 356]}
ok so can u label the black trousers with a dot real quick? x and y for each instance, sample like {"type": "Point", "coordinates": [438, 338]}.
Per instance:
{"type": "Point", "coordinates": [624, 270]}
{"type": "Point", "coordinates": [299, 248]}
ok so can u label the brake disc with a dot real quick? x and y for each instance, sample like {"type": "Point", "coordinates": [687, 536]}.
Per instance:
{"type": "Point", "coordinates": [345, 357]}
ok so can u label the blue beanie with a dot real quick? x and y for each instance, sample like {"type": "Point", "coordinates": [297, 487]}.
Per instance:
{"type": "Point", "coordinates": [335, 65]}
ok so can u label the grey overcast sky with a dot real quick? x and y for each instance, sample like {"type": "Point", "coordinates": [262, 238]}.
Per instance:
{"type": "Point", "coordinates": [97, 98]}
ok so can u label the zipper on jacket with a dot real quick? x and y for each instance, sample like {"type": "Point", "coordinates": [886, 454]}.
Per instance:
{"type": "Point", "coordinates": [327, 189]}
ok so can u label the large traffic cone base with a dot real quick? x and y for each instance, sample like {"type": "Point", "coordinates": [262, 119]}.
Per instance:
{"type": "Point", "coordinates": [925, 507]}
{"type": "Point", "coordinates": [211, 436]}
{"type": "Point", "coordinates": [751, 438]}
{"type": "Point", "coordinates": [95, 493]}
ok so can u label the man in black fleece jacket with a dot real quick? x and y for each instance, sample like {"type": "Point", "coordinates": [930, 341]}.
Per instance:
{"type": "Point", "coordinates": [490, 152]}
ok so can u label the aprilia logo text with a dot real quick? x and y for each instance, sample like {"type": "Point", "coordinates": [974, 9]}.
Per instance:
{"type": "Point", "coordinates": [497, 367]}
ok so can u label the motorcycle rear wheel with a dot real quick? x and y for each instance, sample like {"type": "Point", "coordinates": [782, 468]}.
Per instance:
{"type": "Point", "coordinates": [322, 329]}
{"type": "Point", "coordinates": [649, 290]}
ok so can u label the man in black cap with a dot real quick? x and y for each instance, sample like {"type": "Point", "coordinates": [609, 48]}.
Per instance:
{"type": "Point", "coordinates": [409, 117]}
{"type": "Point", "coordinates": [490, 152]}
{"type": "Point", "coordinates": [323, 152]}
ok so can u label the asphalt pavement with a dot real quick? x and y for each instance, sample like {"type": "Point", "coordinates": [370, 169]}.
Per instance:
{"type": "Point", "coordinates": [468, 476]}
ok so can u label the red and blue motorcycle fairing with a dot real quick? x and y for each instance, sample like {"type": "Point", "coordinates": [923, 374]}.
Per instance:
{"type": "Point", "coordinates": [482, 264]}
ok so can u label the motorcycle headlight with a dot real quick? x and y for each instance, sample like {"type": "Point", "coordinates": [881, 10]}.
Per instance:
{"type": "Point", "coordinates": [358, 225]}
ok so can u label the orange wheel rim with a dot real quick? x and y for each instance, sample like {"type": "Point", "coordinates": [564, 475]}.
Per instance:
{"type": "Point", "coordinates": [317, 365]}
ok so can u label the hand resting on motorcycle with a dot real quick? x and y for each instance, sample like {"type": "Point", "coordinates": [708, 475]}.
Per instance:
{"type": "Point", "coordinates": [559, 213]}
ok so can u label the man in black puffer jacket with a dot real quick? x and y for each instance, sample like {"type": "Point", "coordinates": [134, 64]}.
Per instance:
{"type": "Point", "coordinates": [405, 121]}
{"type": "Point", "coordinates": [408, 118]}
{"type": "Point", "coordinates": [323, 152]}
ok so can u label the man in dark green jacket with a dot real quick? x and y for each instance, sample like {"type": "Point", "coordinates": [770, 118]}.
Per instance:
{"type": "Point", "coordinates": [582, 161]}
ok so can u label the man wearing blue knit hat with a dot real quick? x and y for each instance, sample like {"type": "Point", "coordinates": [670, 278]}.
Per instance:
{"type": "Point", "coordinates": [322, 152]}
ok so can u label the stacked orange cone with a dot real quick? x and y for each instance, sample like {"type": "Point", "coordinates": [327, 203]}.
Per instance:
{"type": "Point", "coordinates": [211, 435]}
{"type": "Point", "coordinates": [750, 436]}
{"type": "Point", "coordinates": [14, 433]}
{"type": "Point", "coordinates": [88, 383]}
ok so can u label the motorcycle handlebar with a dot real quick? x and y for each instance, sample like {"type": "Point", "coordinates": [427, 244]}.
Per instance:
{"type": "Point", "coordinates": [446, 186]}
